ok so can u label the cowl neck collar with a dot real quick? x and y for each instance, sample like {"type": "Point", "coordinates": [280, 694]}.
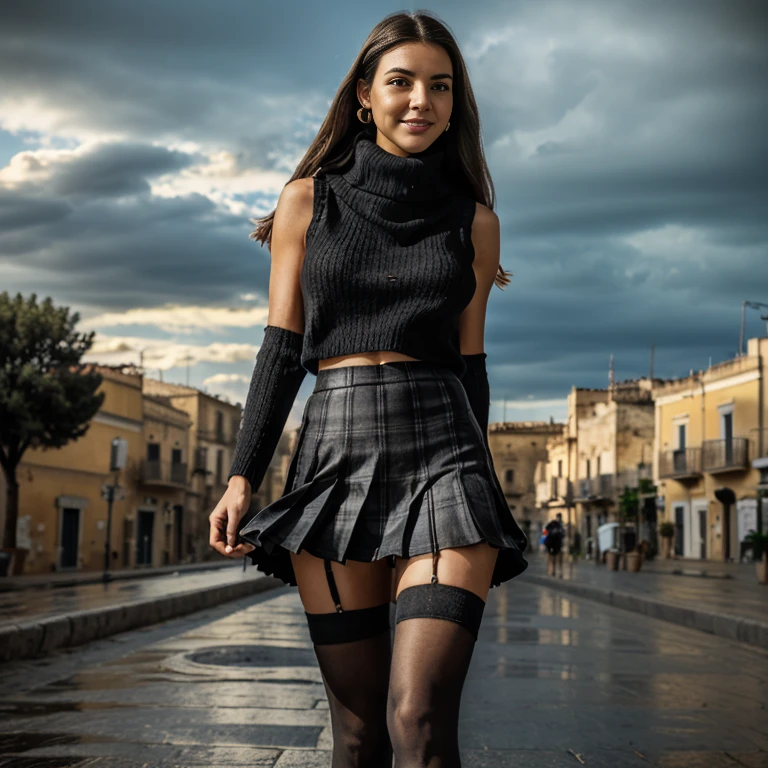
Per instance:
{"type": "Point", "coordinates": [406, 197]}
{"type": "Point", "coordinates": [417, 178]}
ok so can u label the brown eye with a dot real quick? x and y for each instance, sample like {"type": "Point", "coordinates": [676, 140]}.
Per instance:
{"type": "Point", "coordinates": [401, 80]}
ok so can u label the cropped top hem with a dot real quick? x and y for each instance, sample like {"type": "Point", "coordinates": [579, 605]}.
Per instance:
{"type": "Point", "coordinates": [311, 365]}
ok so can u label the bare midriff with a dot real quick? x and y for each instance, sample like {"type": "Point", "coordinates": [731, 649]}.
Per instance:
{"type": "Point", "coordinates": [362, 358]}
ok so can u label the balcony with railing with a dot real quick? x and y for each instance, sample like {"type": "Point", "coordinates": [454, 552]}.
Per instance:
{"type": "Point", "coordinates": [561, 491]}
{"type": "Point", "coordinates": [725, 455]}
{"type": "Point", "coordinates": [169, 473]}
{"type": "Point", "coordinates": [216, 436]}
{"type": "Point", "coordinates": [595, 488]}
{"type": "Point", "coordinates": [680, 464]}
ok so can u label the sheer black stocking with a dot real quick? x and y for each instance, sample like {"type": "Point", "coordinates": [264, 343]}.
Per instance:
{"type": "Point", "coordinates": [430, 660]}
{"type": "Point", "coordinates": [356, 677]}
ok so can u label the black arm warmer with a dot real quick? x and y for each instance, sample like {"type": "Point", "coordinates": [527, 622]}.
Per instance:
{"type": "Point", "coordinates": [277, 376]}
{"type": "Point", "coordinates": [475, 381]}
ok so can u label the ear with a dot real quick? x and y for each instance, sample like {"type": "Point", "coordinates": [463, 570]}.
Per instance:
{"type": "Point", "coordinates": [363, 93]}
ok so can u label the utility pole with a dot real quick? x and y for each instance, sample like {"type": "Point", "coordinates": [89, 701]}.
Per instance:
{"type": "Point", "coordinates": [117, 458]}
{"type": "Point", "coordinates": [744, 305]}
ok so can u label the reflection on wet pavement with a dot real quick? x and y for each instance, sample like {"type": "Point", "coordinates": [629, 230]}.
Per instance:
{"type": "Point", "coordinates": [37, 603]}
{"type": "Point", "coordinates": [552, 678]}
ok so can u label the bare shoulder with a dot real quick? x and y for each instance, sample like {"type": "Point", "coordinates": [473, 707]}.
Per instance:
{"type": "Point", "coordinates": [294, 209]}
{"type": "Point", "coordinates": [486, 238]}
{"type": "Point", "coordinates": [486, 221]}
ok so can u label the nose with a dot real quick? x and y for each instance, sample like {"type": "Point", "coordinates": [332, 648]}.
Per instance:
{"type": "Point", "coordinates": [420, 97]}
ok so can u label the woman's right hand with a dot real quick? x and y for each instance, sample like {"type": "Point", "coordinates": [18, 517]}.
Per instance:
{"type": "Point", "coordinates": [226, 517]}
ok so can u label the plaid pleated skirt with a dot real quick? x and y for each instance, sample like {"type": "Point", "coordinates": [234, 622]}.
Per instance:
{"type": "Point", "coordinates": [389, 460]}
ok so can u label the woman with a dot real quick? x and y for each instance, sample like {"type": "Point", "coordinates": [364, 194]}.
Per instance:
{"type": "Point", "coordinates": [384, 250]}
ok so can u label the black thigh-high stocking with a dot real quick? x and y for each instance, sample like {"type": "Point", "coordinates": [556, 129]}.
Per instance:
{"type": "Point", "coordinates": [356, 677]}
{"type": "Point", "coordinates": [430, 659]}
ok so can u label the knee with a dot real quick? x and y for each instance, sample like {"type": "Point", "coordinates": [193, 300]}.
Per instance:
{"type": "Point", "coordinates": [411, 727]}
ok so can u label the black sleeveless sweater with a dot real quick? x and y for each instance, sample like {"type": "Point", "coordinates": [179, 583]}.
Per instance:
{"type": "Point", "coordinates": [388, 262]}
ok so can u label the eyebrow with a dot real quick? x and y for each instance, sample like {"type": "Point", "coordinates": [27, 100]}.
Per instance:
{"type": "Point", "coordinates": [413, 74]}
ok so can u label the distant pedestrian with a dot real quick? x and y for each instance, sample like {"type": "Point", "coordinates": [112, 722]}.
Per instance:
{"type": "Point", "coordinates": [555, 533]}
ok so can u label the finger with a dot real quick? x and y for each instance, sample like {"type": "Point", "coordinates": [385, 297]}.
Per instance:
{"type": "Point", "coordinates": [220, 547]}
{"type": "Point", "coordinates": [233, 518]}
{"type": "Point", "coordinates": [217, 533]}
{"type": "Point", "coordinates": [241, 550]}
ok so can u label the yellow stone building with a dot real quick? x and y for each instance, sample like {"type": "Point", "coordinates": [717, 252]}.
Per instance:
{"type": "Point", "coordinates": [711, 457]}
{"type": "Point", "coordinates": [62, 515]}
{"type": "Point", "coordinates": [180, 442]}
{"type": "Point", "coordinates": [517, 448]}
{"type": "Point", "coordinates": [213, 428]}
{"type": "Point", "coordinates": [605, 446]}
{"type": "Point", "coordinates": [167, 506]}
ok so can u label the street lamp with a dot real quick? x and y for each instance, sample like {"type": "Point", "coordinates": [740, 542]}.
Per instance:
{"type": "Point", "coordinates": [117, 458]}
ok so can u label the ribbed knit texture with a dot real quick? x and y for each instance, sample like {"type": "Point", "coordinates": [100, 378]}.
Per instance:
{"type": "Point", "coordinates": [388, 262]}
{"type": "Point", "coordinates": [277, 376]}
{"type": "Point", "coordinates": [475, 382]}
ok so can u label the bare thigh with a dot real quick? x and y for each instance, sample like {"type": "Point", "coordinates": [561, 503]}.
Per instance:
{"type": "Point", "coordinates": [468, 567]}
{"type": "Point", "coordinates": [360, 585]}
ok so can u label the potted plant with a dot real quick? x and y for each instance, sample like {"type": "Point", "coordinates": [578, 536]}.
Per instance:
{"type": "Point", "coordinates": [612, 559]}
{"type": "Point", "coordinates": [634, 560]}
{"type": "Point", "coordinates": [759, 542]}
{"type": "Point", "coordinates": [667, 533]}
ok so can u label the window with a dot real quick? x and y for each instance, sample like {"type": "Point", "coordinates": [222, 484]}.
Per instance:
{"type": "Point", "coordinates": [589, 469]}
{"type": "Point", "coordinates": [219, 466]}
{"type": "Point", "coordinates": [510, 476]}
{"type": "Point", "coordinates": [219, 427]}
{"type": "Point", "coordinates": [681, 437]}
{"type": "Point", "coordinates": [559, 467]}
{"type": "Point", "coordinates": [153, 451]}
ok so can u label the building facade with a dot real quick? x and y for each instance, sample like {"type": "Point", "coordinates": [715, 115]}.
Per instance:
{"type": "Point", "coordinates": [517, 448]}
{"type": "Point", "coordinates": [63, 515]}
{"type": "Point", "coordinates": [711, 452]}
{"type": "Point", "coordinates": [605, 447]}
{"type": "Point", "coordinates": [180, 442]}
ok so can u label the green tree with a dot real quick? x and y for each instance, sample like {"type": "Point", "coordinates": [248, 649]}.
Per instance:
{"type": "Point", "coordinates": [47, 396]}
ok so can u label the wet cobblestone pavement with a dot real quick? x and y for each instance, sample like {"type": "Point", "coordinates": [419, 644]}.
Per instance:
{"type": "Point", "coordinates": [554, 681]}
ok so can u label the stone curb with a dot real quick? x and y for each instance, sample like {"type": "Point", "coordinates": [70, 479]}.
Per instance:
{"type": "Point", "coordinates": [31, 639]}
{"type": "Point", "coordinates": [78, 578]}
{"type": "Point", "coordinates": [724, 625]}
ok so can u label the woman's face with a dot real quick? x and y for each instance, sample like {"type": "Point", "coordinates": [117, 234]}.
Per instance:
{"type": "Point", "coordinates": [412, 82]}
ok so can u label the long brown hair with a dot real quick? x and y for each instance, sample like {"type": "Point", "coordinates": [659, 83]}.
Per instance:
{"type": "Point", "coordinates": [462, 143]}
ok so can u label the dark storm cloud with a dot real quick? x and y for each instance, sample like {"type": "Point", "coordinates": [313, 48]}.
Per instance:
{"type": "Point", "coordinates": [117, 170]}
{"type": "Point", "coordinates": [19, 211]}
{"type": "Point", "coordinates": [626, 141]}
{"type": "Point", "coordinates": [140, 250]}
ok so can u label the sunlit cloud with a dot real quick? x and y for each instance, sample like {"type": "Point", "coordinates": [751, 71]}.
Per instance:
{"type": "Point", "coordinates": [178, 319]}
{"type": "Point", "coordinates": [163, 355]}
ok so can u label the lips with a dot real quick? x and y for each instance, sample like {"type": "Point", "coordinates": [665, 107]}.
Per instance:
{"type": "Point", "coordinates": [417, 122]}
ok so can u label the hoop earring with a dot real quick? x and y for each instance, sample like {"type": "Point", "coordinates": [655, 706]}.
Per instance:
{"type": "Point", "coordinates": [360, 117]}
{"type": "Point", "coordinates": [447, 126]}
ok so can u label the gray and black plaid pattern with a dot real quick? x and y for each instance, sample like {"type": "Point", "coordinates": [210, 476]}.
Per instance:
{"type": "Point", "coordinates": [389, 460]}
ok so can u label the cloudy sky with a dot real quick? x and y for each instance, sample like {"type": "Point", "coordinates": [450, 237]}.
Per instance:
{"type": "Point", "coordinates": [626, 140]}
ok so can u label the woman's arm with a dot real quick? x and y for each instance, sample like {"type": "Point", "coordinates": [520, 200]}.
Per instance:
{"type": "Point", "coordinates": [486, 240]}
{"type": "Point", "coordinates": [277, 373]}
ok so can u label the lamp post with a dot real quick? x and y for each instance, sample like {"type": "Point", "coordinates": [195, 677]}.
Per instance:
{"type": "Point", "coordinates": [117, 457]}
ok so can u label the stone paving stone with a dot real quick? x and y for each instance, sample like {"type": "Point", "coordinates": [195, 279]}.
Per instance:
{"type": "Point", "coordinates": [293, 758]}
{"type": "Point", "coordinates": [550, 673]}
